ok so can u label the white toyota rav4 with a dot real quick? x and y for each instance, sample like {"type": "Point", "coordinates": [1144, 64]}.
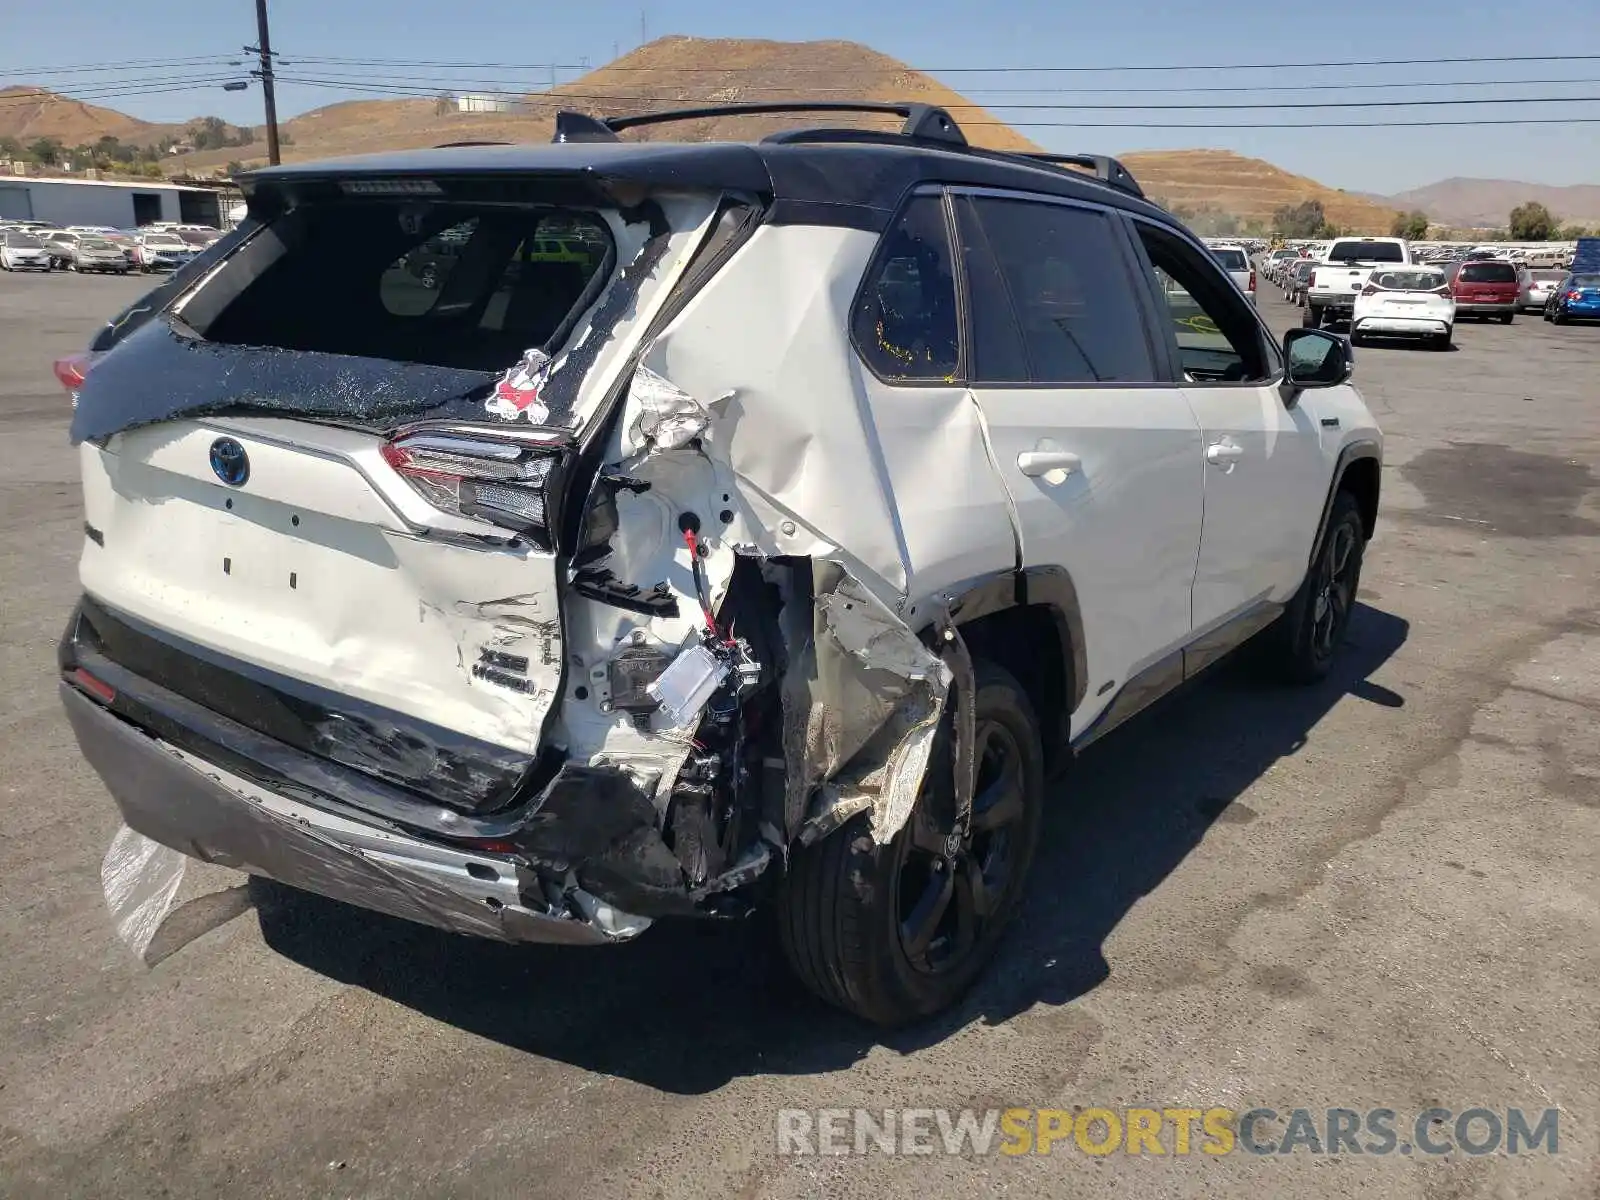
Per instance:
{"type": "Point", "coordinates": [766, 542]}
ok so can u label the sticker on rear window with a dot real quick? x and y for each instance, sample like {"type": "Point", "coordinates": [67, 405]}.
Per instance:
{"type": "Point", "coordinates": [516, 395]}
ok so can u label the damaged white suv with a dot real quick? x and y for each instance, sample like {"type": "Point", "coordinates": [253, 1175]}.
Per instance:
{"type": "Point", "coordinates": [717, 525]}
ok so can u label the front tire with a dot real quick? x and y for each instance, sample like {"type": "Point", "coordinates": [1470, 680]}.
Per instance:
{"type": "Point", "coordinates": [897, 932]}
{"type": "Point", "coordinates": [1313, 627]}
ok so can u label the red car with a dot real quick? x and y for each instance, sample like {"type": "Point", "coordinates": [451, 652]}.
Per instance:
{"type": "Point", "coordinates": [1490, 288]}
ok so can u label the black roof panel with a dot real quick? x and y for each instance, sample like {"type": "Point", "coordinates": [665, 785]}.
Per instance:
{"type": "Point", "coordinates": [853, 183]}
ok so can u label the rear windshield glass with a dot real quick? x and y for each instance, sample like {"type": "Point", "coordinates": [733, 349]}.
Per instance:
{"type": "Point", "coordinates": [449, 285]}
{"type": "Point", "coordinates": [1586, 281]}
{"type": "Point", "coordinates": [1547, 276]}
{"type": "Point", "coordinates": [1232, 260]}
{"type": "Point", "coordinates": [1408, 281]}
{"type": "Point", "coordinates": [1489, 272]}
{"type": "Point", "coordinates": [1367, 252]}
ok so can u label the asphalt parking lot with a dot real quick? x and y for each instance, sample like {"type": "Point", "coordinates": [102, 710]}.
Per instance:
{"type": "Point", "coordinates": [1382, 892]}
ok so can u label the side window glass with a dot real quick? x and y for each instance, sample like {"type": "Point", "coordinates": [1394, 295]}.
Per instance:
{"type": "Point", "coordinates": [905, 320]}
{"type": "Point", "coordinates": [998, 352]}
{"type": "Point", "coordinates": [1218, 340]}
{"type": "Point", "coordinates": [1070, 294]}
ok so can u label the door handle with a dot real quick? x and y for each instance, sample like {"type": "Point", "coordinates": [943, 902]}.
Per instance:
{"type": "Point", "coordinates": [1224, 453]}
{"type": "Point", "coordinates": [1034, 463]}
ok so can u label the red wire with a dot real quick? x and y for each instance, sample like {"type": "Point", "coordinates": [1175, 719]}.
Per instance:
{"type": "Point", "coordinates": [694, 569]}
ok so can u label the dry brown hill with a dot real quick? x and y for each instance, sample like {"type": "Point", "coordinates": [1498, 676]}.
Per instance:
{"type": "Point", "coordinates": [1246, 187]}
{"type": "Point", "coordinates": [668, 73]}
{"type": "Point", "coordinates": [27, 113]}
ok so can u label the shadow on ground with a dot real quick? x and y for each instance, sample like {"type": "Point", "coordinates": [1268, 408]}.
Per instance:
{"type": "Point", "coordinates": [690, 1006]}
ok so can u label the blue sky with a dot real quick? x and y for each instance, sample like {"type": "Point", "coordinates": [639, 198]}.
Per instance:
{"type": "Point", "coordinates": [944, 35]}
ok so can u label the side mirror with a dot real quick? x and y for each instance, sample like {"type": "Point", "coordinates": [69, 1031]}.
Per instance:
{"type": "Point", "coordinates": [1315, 358]}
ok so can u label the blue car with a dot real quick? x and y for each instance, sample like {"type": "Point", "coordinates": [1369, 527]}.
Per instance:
{"type": "Point", "coordinates": [1577, 297]}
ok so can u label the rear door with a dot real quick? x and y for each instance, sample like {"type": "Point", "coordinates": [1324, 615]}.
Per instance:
{"type": "Point", "coordinates": [260, 499]}
{"type": "Point", "coordinates": [1102, 458]}
{"type": "Point", "coordinates": [1265, 477]}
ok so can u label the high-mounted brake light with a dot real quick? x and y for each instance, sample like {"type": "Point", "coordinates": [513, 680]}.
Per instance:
{"type": "Point", "coordinates": [390, 187]}
{"type": "Point", "coordinates": [502, 482]}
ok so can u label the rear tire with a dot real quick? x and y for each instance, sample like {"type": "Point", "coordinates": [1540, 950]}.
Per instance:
{"type": "Point", "coordinates": [1441, 341]}
{"type": "Point", "coordinates": [1312, 628]}
{"type": "Point", "coordinates": [894, 933]}
{"type": "Point", "coordinates": [1507, 318]}
{"type": "Point", "coordinates": [1313, 317]}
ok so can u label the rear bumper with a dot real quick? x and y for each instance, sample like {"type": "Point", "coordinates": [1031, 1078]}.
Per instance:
{"type": "Point", "coordinates": [1401, 326]}
{"type": "Point", "coordinates": [1486, 308]}
{"type": "Point", "coordinates": [201, 810]}
{"type": "Point", "coordinates": [1343, 301]}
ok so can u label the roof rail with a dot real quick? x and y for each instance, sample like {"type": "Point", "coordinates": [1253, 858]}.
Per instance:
{"type": "Point", "coordinates": [925, 121]}
{"type": "Point", "coordinates": [1105, 168]}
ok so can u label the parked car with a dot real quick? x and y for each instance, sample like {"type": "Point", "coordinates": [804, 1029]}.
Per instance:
{"type": "Point", "coordinates": [60, 245]}
{"type": "Point", "coordinates": [1413, 301]}
{"type": "Point", "coordinates": [162, 252]}
{"type": "Point", "coordinates": [23, 252]}
{"type": "Point", "coordinates": [1537, 289]}
{"type": "Point", "coordinates": [1575, 297]}
{"type": "Point", "coordinates": [1298, 281]}
{"type": "Point", "coordinates": [1236, 263]}
{"type": "Point", "coordinates": [125, 242]}
{"type": "Point", "coordinates": [1486, 288]}
{"type": "Point", "coordinates": [197, 236]}
{"type": "Point", "coordinates": [1278, 262]}
{"type": "Point", "coordinates": [599, 648]}
{"type": "Point", "coordinates": [94, 253]}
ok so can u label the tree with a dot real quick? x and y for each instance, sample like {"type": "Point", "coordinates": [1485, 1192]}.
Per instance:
{"type": "Point", "coordinates": [10, 149]}
{"type": "Point", "coordinates": [208, 133]}
{"type": "Point", "coordinates": [1569, 233]}
{"type": "Point", "coordinates": [1411, 226]}
{"type": "Point", "coordinates": [1531, 222]}
{"type": "Point", "coordinates": [1303, 220]}
{"type": "Point", "coordinates": [46, 151]}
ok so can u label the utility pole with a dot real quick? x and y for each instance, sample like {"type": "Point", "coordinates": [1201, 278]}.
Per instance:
{"type": "Point", "coordinates": [268, 97]}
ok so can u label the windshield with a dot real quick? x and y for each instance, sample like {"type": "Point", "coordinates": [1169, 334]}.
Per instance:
{"type": "Point", "coordinates": [1363, 251]}
{"type": "Point", "coordinates": [1488, 272]}
{"type": "Point", "coordinates": [196, 237]}
{"type": "Point", "coordinates": [1231, 259]}
{"type": "Point", "coordinates": [165, 241]}
{"type": "Point", "coordinates": [94, 243]}
{"type": "Point", "coordinates": [1408, 281]}
{"type": "Point", "coordinates": [23, 241]}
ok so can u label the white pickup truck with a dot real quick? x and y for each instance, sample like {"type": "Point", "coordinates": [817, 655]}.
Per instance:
{"type": "Point", "coordinates": [1342, 274]}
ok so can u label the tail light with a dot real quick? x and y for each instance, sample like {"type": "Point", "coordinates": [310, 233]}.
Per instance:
{"type": "Point", "coordinates": [1574, 295]}
{"type": "Point", "coordinates": [504, 482]}
{"type": "Point", "coordinates": [1252, 286]}
{"type": "Point", "coordinates": [1444, 290]}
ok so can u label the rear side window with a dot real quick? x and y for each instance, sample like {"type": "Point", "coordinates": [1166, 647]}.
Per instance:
{"type": "Point", "coordinates": [450, 285]}
{"type": "Point", "coordinates": [1053, 300]}
{"type": "Point", "coordinates": [905, 323]}
{"type": "Point", "coordinates": [1488, 272]}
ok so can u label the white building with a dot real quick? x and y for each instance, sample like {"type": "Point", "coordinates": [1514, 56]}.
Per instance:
{"type": "Point", "coordinates": [483, 104]}
{"type": "Point", "coordinates": [118, 203]}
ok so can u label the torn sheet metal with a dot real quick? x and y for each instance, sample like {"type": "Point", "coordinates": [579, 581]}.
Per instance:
{"type": "Point", "coordinates": [862, 702]}
{"type": "Point", "coordinates": [661, 414]}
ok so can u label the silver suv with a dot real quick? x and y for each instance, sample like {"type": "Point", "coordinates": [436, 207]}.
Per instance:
{"type": "Point", "coordinates": [763, 545]}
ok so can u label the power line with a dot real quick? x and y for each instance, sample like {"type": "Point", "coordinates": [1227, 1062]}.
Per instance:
{"type": "Point", "coordinates": [562, 96]}
{"type": "Point", "coordinates": [970, 70]}
{"type": "Point", "coordinates": [133, 64]}
{"type": "Point", "coordinates": [1582, 120]}
{"type": "Point", "coordinates": [87, 96]}
{"type": "Point", "coordinates": [504, 85]}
